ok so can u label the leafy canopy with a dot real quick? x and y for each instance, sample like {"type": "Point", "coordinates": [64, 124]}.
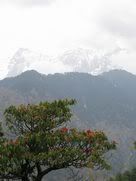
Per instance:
{"type": "Point", "coordinates": [42, 143]}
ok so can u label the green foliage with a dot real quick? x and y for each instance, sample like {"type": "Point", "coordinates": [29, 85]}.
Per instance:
{"type": "Point", "coordinates": [42, 143]}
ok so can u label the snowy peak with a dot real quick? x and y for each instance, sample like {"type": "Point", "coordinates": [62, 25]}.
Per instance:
{"type": "Point", "coordinates": [18, 62]}
{"type": "Point", "coordinates": [23, 60]}
{"type": "Point", "coordinates": [88, 60]}
{"type": "Point", "coordinates": [78, 60]}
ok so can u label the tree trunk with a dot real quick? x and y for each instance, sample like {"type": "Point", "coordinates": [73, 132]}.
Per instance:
{"type": "Point", "coordinates": [38, 178]}
{"type": "Point", "coordinates": [42, 174]}
{"type": "Point", "coordinates": [25, 178]}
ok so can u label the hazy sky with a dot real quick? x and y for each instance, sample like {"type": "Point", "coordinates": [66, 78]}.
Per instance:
{"type": "Point", "coordinates": [53, 26]}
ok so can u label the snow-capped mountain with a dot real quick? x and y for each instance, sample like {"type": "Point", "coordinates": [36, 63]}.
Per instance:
{"type": "Point", "coordinates": [88, 60]}
{"type": "Point", "coordinates": [25, 59]}
{"type": "Point", "coordinates": [22, 60]}
{"type": "Point", "coordinates": [78, 60]}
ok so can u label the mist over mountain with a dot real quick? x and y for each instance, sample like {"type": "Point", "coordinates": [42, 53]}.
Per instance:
{"type": "Point", "coordinates": [78, 60]}
{"type": "Point", "coordinates": [105, 102]}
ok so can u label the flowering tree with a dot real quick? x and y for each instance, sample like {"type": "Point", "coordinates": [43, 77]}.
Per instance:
{"type": "Point", "coordinates": [42, 144]}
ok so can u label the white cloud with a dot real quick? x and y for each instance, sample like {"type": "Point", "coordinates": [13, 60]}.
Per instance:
{"type": "Point", "coordinates": [27, 3]}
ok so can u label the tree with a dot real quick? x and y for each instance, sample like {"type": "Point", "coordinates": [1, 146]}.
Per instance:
{"type": "Point", "coordinates": [42, 143]}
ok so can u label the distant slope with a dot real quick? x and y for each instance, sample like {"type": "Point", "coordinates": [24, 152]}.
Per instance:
{"type": "Point", "coordinates": [123, 80]}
